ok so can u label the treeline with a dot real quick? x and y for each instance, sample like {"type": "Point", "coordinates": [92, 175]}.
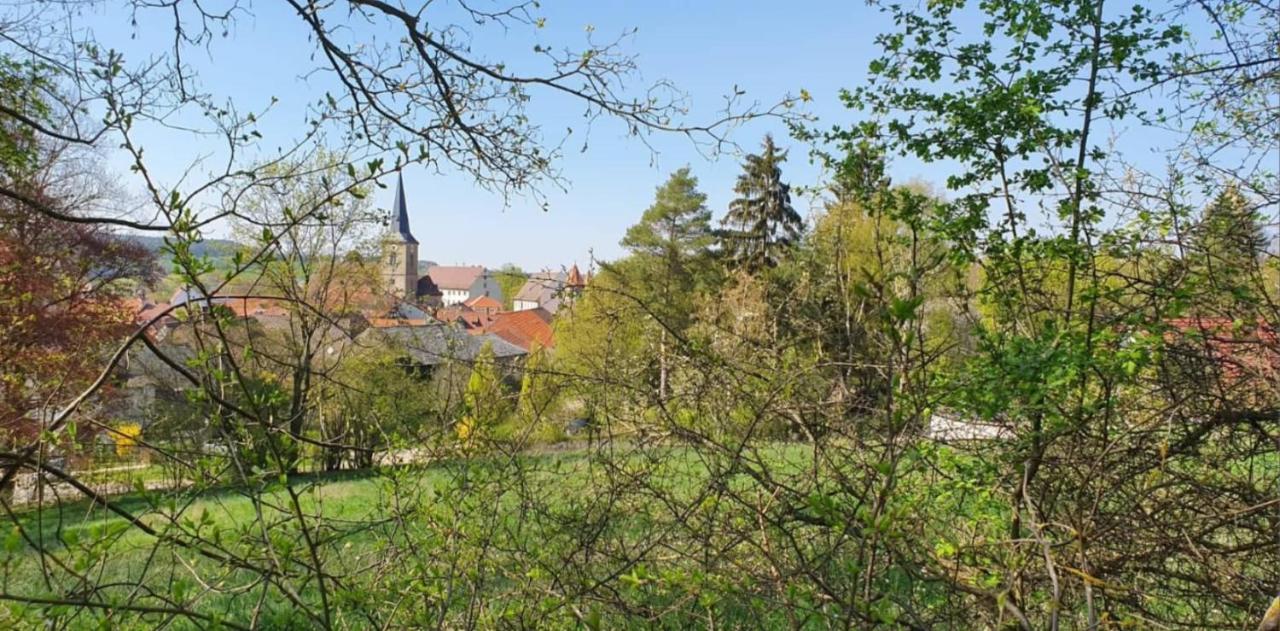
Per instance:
{"type": "Point", "coordinates": [1006, 425]}
{"type": "Point", "coordinates": [878, 275]}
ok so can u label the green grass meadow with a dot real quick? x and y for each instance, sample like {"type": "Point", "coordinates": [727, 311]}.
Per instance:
{"type": "Point", "coordinates": [659, 537]}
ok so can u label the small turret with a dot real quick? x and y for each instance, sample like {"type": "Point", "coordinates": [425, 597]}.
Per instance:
{"type": "Point", "coordinates": [575, 280]}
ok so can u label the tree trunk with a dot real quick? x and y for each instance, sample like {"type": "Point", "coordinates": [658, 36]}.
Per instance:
{"type": "Point", "coordinates": [662, 366]}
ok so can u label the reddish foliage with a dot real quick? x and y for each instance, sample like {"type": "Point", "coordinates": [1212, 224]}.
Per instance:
{"type": "Point", "coordinates": [60, 305]}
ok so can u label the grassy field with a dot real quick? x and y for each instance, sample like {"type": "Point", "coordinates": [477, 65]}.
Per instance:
{"type": "Point", "coordinates": [512, 521]}
{"type": "Point", "coordinates": [640, 538]}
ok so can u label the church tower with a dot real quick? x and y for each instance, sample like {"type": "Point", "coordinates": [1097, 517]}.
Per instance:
{"type": "Point", "coordinates": [400, 251]}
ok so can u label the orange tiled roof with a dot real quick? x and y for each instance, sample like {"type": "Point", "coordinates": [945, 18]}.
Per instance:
{"type": "Point", "coordinates": [150, 311]}
{"type": "Point", "coordinates": [483, 302]}
{"type": "Point", "coordinates": [251, 307]}
{"type": "Point", "coordinates": [523, 328]}
{"type": "Point", "coordinates": [1239, 350]}
{"type": "Point", "coordinates": [474, 321]}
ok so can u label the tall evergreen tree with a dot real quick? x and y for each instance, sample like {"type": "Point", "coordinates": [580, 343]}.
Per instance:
{"type": "Point", "coordinates": [1230, 232]}
{"type": "Point", "coordinates": [669, 248]}
{"type": "Point", "coordinates": [1226, 249]}
{"type": "Point", "coordinates": [761, 222]}
{"type": "Point", "coordinates": [674, 232]}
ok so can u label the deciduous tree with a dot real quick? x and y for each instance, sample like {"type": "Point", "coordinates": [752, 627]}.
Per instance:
{"type": "Point", "coordinates": [65, 290]}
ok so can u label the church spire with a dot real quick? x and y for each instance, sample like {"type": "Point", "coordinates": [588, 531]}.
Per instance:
{"type": "Point", "coordinates": [400, 251]}
{"type": "Point", "coordinates": [400, 221]}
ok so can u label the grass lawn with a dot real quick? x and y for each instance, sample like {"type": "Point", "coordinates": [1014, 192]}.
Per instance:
{"type": "Point", "coordinates": [554, 540]}
{"type": "Point", "coordinates": [532, 506]}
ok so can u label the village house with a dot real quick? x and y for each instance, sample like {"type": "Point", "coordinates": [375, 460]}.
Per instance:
{"type": "Point", "coordinates": [474, 315]}
{"type": "Point", "coordinates": [541, 290]}
{"type": "Point", "coordinates": [485, 305]}
{"type": "Point", "coordinates": [525, 329]}
{"type": "Point", "coordinates": [1235, 365]}
{"type": "Point", "coordinates": [426, 347]}
{"type": "Point", "coordinates": [459, 283]}
{"type": "Point", "coordinates": [549, 290]}
{"type": "Point", "coordinates": [462, 316]}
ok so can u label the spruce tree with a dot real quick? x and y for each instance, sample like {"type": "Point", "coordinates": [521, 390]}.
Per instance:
{"type": "Point", "coordinates": [761, 222]}
{"type": "Point", "coordinates": [1229, 232]}
{"type": "Point", "coordinates": [1226, 249]}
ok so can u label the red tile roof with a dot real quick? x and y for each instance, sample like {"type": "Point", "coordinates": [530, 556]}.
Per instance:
{"type": "Point", "coordinates": [475, 322]}
{"type": "Point", "coordinates": [523, 328]}
{"type": "Point", "coordinates": [383, 323]}
{"type": "Point", "coordinates": [1240, 350]}
{"type": "Point", "coordinates": [483, 302]}
{"type": "Point", "coordinates": [252, 307]}
{"type": "Point", "coordinates": [150, 311]}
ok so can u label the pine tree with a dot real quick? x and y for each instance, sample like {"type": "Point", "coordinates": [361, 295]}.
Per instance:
{"type": "Point", "coordinates": [670, 247]}
{"type": "Point", "coordinates": [761, 222]}
{"type": "Point", "coordinates": [676, 229]}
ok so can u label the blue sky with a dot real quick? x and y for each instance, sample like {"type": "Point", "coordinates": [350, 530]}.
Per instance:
{"type": "Point", "coordinates": [705, 47]}
{"type": "Point", "coordinates": [768, 49]}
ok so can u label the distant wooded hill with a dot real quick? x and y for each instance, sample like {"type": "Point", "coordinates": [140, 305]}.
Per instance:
{"type": "Point", "coordinates": [216, 248]}
{"type": "Point", "coordinates": [219, 251]}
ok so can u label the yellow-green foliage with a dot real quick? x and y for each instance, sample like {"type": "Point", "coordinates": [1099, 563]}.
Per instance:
{"type": "Point", "coordinates": [538, 387]}
{"type": "Point", "coordinates": [888, 270]}
{"type": "Point", "coordinates": [126, 436]}
{"type": "Point", "coordinates": [484, 398]}
{"type": "Point", "coordinates": [607, 332]}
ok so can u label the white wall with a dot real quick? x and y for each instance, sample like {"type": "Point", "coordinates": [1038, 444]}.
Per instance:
{"type": "Point", "coordinates": [454, 296]}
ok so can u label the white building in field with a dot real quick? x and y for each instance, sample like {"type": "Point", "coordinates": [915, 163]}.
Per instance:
{"type": "Point", "coordinates": [951, 428]}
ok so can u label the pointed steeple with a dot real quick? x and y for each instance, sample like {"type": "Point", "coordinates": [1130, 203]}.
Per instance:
{"type": "Point", "coordinates": [400, 219]}
{"type": "Point", "coordinates": [575, 278]}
